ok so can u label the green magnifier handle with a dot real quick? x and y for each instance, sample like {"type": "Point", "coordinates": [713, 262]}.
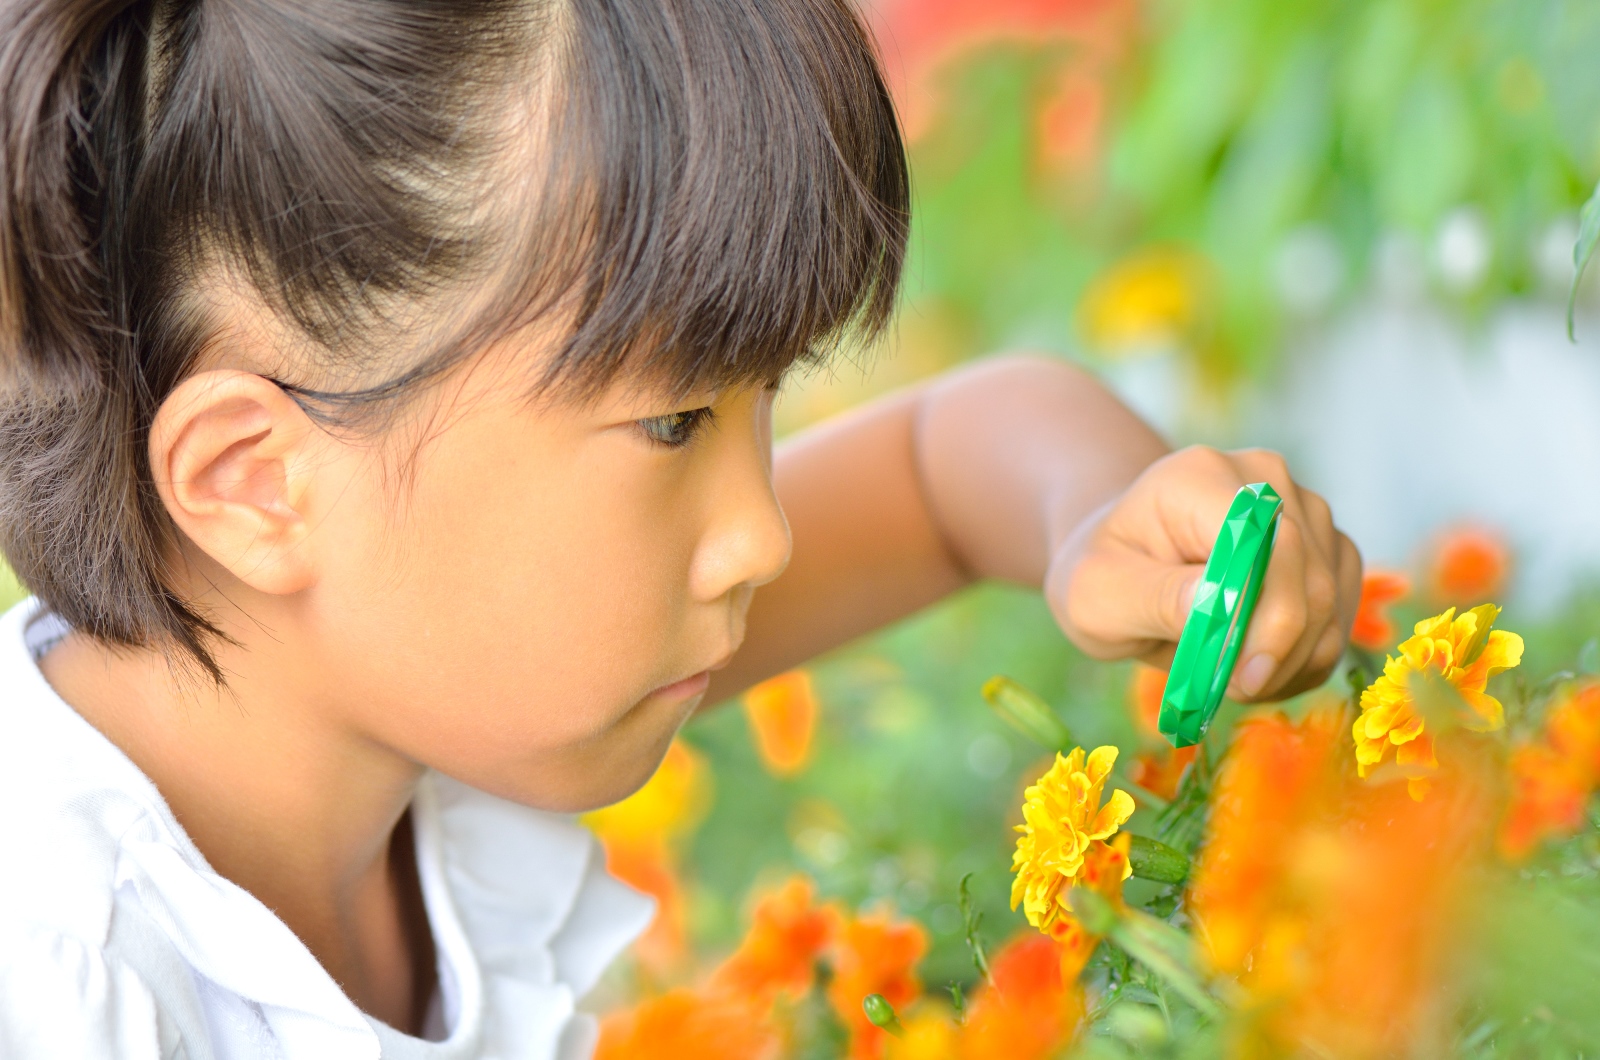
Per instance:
{"type": "Point", "coordinates": [1224, 602]}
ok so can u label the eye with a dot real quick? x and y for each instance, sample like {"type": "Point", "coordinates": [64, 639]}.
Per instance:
{"type": "Point", "coordinates": [676, 429]}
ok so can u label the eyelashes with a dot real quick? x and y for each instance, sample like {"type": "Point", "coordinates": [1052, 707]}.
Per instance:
{"type": "Point", "coordinates": [676, 429]}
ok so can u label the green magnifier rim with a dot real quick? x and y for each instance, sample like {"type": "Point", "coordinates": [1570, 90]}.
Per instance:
{"type": "Point", "coordinates": [1224, 602]}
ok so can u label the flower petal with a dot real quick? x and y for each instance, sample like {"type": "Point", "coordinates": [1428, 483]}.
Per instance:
{"type": "Point", "coordinates": [1410, 730]}
{"type": "Point", "coordinates": [1417, 753]}
{"type": "Point", "coordinates": [1503, 651]}
{"type": "Point", "coordinates": [1117, 810]}
{"type": "Point", "coordinates": [1100, 762]}
{"type": "Point", "coordinates": [1487, 712]}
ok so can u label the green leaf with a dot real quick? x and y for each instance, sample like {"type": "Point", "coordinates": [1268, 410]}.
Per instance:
{"type": "Point", "coordinates": [1154, 943]}
{"type": "Point", "coordinates": [1589, 656]}
{"type": "Point", "coordinates": [958, 1002]}
{"type": "Point", "coordinates": [971, 920]}
{"type": "Point", "coordinates": [1437, 700]}
{"type": "Point", "coordinates": [1154, 860]}
{"type": "Point", "coordinates": [1588, 238]}
{"type": "Point", "coordinates": [1181, 824]}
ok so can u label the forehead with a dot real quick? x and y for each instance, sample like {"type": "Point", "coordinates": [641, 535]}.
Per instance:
{"type": "Point", "coordinates": [694, 236]}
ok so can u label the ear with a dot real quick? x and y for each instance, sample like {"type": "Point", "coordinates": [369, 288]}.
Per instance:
{"type": "Point", "coordinates": [230, 455]}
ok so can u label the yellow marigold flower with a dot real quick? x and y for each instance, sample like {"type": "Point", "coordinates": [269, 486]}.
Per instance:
{"type": "Point", "coordinates": [672, 802]}
{"type": "Point", "coordinates": [1061, 816]}
{"type": "Point", "coordinates": [1465, 650]}
{"type": "Point", "coordinates": [1154, 296]}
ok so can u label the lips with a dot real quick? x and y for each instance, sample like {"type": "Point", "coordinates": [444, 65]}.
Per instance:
{"type": "Point", "coordinates": [694, 684]}
{"type": "Point", "coordinates": [690, 686]}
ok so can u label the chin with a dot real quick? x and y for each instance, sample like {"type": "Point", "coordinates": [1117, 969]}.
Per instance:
{"type": "Point", "coordinates": [599, 772]}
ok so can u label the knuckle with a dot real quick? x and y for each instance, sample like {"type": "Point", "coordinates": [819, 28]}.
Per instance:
{"type": "Point", "coordinates": [1270, 459]}
{"type": "Point", "coordinates": [1203, 456]}
{"type": "Point", "coordinates": [1325, 656]}
{"type": "Point", "coordinates": [1322, 591]}
{"type": "Point", "coordinates": [1282, 622]}
{"type": "Point", "coordinates": [1315, 512]}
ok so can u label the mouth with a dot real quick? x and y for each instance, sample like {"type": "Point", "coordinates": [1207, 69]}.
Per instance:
{"type": "Point", "coordinates": [693, 685]}
{"type": "Point", "coordinates": [688, 688]}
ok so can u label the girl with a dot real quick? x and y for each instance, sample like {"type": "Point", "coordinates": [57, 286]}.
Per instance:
{"type": "Point", "coordinates": [385, 437]}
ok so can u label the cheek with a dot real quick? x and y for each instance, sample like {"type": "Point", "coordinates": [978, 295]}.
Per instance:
{"type": "Point", "coordinates": [520, 604]}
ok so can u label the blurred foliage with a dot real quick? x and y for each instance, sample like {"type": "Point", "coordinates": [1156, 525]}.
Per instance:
{"type": "Point", "coordinates": [1288, 146]}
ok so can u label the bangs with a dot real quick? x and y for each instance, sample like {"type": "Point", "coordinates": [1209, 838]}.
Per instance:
{"type": "Point", "coordinates": [725, 192]}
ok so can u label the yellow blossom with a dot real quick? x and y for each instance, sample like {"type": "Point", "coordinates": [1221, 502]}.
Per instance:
{"type": "Point", "coordinates": [1062, 816]}
{"type": "Point", "coordinates": [672, 803]}
{"type": "Point", "coordinates": [1464, 651]}
{"type": "Point", "coordinates": [1152, 297]}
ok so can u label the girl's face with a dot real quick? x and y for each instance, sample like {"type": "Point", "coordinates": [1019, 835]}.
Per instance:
{"type": "Point", "coordinates": [534, 602]}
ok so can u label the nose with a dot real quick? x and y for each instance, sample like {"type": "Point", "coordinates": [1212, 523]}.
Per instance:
{"type": "Point", "coordinates": [746, 541]}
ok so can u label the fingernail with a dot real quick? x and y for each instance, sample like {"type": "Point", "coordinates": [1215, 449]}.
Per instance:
{"type": "Point", "coordinates": [1253, 678]}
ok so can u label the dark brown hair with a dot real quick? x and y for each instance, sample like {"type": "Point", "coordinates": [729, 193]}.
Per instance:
{"type": "Point", "coordinates": [709, 189]}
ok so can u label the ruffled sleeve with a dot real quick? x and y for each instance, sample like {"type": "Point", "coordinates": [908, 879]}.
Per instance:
{"type": "Point", "coordinates": [60, 997]}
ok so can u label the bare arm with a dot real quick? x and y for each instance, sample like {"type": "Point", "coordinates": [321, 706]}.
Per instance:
{"type": "Point", "coordinates": [981, 473]}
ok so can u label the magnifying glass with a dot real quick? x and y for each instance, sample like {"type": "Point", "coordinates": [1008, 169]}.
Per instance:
{"type": "Point", "coordinates": [1224, 602]}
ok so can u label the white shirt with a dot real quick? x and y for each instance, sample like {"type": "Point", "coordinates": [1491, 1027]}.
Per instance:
{"type": "Point", "coordinates": [117, 940]}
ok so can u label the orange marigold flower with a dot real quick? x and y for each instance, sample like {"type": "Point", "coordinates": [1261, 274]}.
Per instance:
{"type": "Point", "coordinates": [1105, 867]}
{"type": "Point", "coordinates": [652, 868]}
{"type": "Point", "coordinates": [1062, 816]}
{"type": "Point", "coordinates": [1146, 686]}
{"type": "Point", "coordinates": [1334, 902]}
{"type": "Point", "coordinates": [672, 802]}
{"type": "Point", "coordinates": [1373, 628]}
{"type": "Point", "coordinates": [874, 954]}
{"type": "Point", "coordinates": [1157, 771]}
{"type": "Point", "coordinates": [1160, 772]}
{"type": "Point", "coordinates": [778, 955]}
{"type": "Point", "coordinates": [928, 35]}
{"type": "Point", "coordinates": [1468, 563]}
{"type": "Point", "coordinates": [782, 713]}
{"type": "Point", "coordinates": [688, 1025]}
{"type": "Point", "coordinates": [1031, 1012]}
{"type": "Point", "coordinates": [1071, 120]}
{"type": "Point", "coordinates": [640, 836]}
{"type": "Point", "coordinates": [1465, 651]}
{"type": "Point", "coordinates": [1274, 772]}
{"type": "Point", "coordinates": [1553, 778]}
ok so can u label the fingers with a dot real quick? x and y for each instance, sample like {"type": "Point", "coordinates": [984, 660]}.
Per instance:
{"type": "Point", "coordinates": [1308, 597]}
{"type": "Point", "coordinates": [1275, 640]}
{"type": "Point", "coordinates": [1124, 583]}
{"type": "Point", "coordinates": [1125, 604]}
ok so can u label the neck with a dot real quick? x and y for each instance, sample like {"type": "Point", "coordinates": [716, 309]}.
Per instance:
{"type": "Point", "coordinates": [281, 798]}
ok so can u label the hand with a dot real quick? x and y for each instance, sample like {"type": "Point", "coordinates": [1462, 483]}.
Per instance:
{"type": "Point", "coordinates": [1122, 583]}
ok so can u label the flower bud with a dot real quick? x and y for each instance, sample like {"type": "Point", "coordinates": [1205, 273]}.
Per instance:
{"type": "Point", "coordinates": [881, 1013]}
{"type": "Point", "coordinates": [1153, 860]}
{"type": "Point", "coordinates": [1027, 713]}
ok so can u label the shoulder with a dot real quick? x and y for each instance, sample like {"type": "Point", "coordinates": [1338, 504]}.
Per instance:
{"type": "Point", "coordinates": [69, 800]}
{"type": "Point", "coordinates": [61, 996]}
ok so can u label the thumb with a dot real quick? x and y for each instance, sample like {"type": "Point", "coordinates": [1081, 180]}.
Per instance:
{"type": "Point", "coordinates": [1127, 603]}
